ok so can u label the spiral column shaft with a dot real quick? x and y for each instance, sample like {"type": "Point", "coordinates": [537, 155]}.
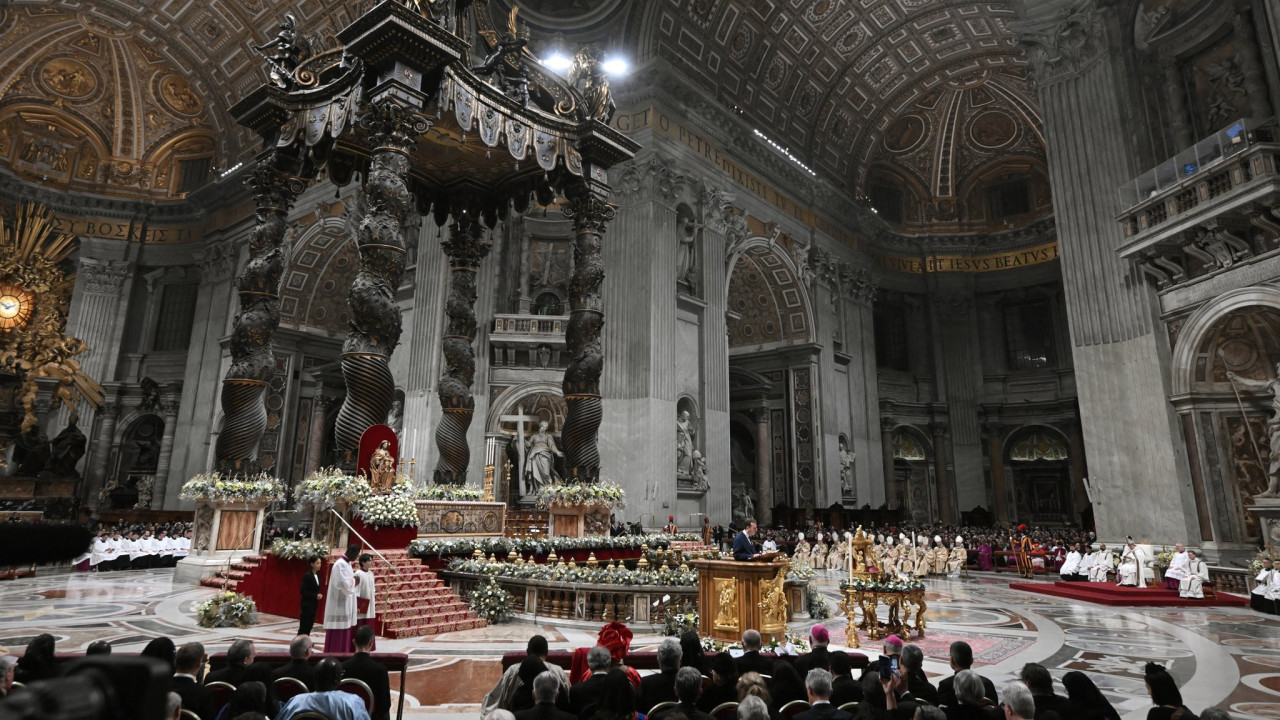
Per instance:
{"type": "Point", "coordinates": [585, 410]}
{"type": "Point", "coordinates": [252, 360]}
{"type": "Point", "coordinates": [465, 247]}
{"type": "Point", "coordinates": [375, 316]}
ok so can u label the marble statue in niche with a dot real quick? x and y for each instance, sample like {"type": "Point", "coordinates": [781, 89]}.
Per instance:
{"type": "Point", "coordinates": [684, 444]}
{"type": "Point", "coordinates": [67, 449]}
{"type": "Point", "coordinates": [686, 249]}
{"type": "Point", "coordinates": [540, 467]}
{"type": "Point", "coordinates": [699, 472]}
{"type": "Point", "coordinates": [395, 416]}
{"type": "Point", "coordinates": [846, 466]}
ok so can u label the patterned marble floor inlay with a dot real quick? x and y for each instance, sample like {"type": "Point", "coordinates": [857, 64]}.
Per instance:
{"type": "Point", "coordinates": [1220, 656]}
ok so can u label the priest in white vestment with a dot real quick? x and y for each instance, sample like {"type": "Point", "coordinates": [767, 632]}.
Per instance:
{"type": "Point", "coordinates": [1131, 562]}
{"type": "Point", "coordinates": [1258, 599]}
{"type": "Point", "coordinates": [1178, 568]}
{"type": "Point", "coordinates": [1070, 569]}
{"type": "Point", "coordinates": [340, 604]}
{"type": "Point", "coordinates": [1192, 584]}
{"type": "Point", "coordinates": [1103, 563]}
{"type": "Point", "coordinates": [1087, 558]}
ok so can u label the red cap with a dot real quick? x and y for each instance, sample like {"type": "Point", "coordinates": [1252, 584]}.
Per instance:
{"type": "Point", "coordinates": [616, 637]}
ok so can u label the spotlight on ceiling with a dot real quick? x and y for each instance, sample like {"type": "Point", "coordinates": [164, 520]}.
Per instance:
{"type": "Point", "coordinates": [558, 62]}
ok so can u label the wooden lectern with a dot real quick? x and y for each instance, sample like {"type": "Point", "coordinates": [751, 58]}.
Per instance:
{"type": "Point", "coordinates": [736, 596]}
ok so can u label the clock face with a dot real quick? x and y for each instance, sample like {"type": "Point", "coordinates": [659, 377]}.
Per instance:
{"type": "Point", "coordinates": [15, 307]}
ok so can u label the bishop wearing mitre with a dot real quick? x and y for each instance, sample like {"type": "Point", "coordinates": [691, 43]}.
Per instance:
{"type": "Point", "coordinates": [1131, 559]}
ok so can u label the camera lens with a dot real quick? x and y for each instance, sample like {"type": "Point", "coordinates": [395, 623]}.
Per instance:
{"type": "Point", "coordinates": [74, 698]}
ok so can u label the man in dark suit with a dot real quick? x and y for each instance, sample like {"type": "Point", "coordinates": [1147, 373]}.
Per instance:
{"type": "Point", "coordinates": [545, 687]}
{"type": "Point", "coordinates": [239, 656]}
{"type": "Point", "coordinates": [372, 673]}
{"type": "Point", "coordinates": [817, 657]}
{"type": "Point", "coordinates": [1040, 683]}
{"type": "Point", "coordinates": [299, 665]}
{"type": "Point", "coordinates": [962, 659]}
{"type": "Point", "coordinates": [660, 687]}
{"type": "Point", "coordinates": [186, 670]}
{"type": "Point", "coordinates": [310, 599]}
{"type": "Point", "coordinates": [743, 548]}
{"type": "Point", "coordinates": [584, 696]}
{"type": "Point", "coordinates": [844, 689]}
{"type": "Point", "coordinates": [751, 660]}
{"type": "Point", "coordinates": [917, 682]}
{"type": "Point", "coordinates": [688, 688]}
{"type": "Point", "coordinates": [817, 683]}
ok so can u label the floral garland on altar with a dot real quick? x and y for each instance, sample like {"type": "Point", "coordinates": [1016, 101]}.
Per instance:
{"type": "Point", "coordinates": [426, 547]}
{"type": "Point", "coordinates": [297, 549]}
{"type": "Point", "coordinates": [227, 609]}
{"type": "Point", "coordinates": [218, 488]}
{"type": "Point", "coordinates": [892, 586]}
{"type": "Point", "coordinates": [451, 493]}
{"type": "Point", "coordinates": [800, 571]}
{"type": "Point", "coordinates": [329, 486]}
{"type": "Point", "coordinates": [609, 494]}
{"type": "Point", "coordinates": [576, 574]}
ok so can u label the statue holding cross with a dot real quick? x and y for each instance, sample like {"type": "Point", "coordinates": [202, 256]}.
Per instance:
{"type": "Point", "coordinates": [520, 418]}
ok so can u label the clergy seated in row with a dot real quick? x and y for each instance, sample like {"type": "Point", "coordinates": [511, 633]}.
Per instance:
{"type": "Point", "coordinates": [1179, 568]}
{"type": "Point", "coordinates": [1103, 563]}
{"type": "Point", "coordinates": [1266, 593]}
{"type": "Point", "coordinates": [1191, 584]}
{"type": "Point", "coordinates": [1132, 561]}
{"type": "Point", "coordinates": [1070, 570]}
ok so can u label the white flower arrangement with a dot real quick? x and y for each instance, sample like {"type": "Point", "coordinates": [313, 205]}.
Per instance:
{"type": "Point", "coordinates": [297, 549]}
{"type": "Point", "coordinates": [893, 586]}
{"type": "Point", "coordinates": [794, 645]}
{"type": "Point", "coordinates": [227, 609]}
{"type": "Point", "coordinates": [218, 488]}
{"type": "Point", "coordinates": [579, 575]}
{"type": "Point", "coordinates": [451, 493]}
{"type": "Point", "coordinates": [427, 547]}
{"type": "Point", "coordinates": [491, 602]}
{"type": "Point", "coordinates": [609, 494]}
{"type": "Point", "coordinates": [392, 510]}
{"type": "Point", "coordinates": [800, 571]}
{"type": "Point", "coordinates": [329, 486]}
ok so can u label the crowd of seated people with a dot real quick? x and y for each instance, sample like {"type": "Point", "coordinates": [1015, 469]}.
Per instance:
{"type": "Point", "coordinates": [822, 684]}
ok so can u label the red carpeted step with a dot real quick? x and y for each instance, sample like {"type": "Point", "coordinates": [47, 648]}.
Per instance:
{"type": "Point", "coordinates": [1112, 595]}
{"type": "Point", "coordinates": [219, 583]}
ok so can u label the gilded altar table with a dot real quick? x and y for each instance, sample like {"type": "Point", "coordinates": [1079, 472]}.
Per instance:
{"type": "Point", "coordinates": [736, 596]}
{"type": "Point", "coordinates": [901, 606]}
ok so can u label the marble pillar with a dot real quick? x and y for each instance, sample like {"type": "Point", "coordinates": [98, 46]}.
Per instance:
{"type": "Point", "coordinates": [887, 425]}
{"type": "Point", "coordinates": [764, 460]}
{"type": "Point", "coordinates": [315, 438]}
{"type": "Point", "coordinates": [995, 441]}
{"type": "Point", "coordinates": [1137, 457]}
{"type": "Point", "coordinates": [945, 502]}
{"type": "Point", "coordinates": [958, 368]}
{"type": "Point", "coordinates": [169, 412]}
{"type": "Point", "coordinates": [421, 411]}
{"type": "Point", "coordinates": [96, 477]}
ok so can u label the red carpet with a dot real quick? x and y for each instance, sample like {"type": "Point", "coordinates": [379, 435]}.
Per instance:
{"type": "Point", "coordinates": [1111, 594]}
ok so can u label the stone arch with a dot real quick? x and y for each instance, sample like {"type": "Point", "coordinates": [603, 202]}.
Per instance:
{"type": "Point", "coordinates": [766, 292]}
{"type": "Point", "coordinates": [1052, 434]}
{"type": "Point", "coordinates": [321, 267]}
{"type": "Point", "coordinates": [1195, 330]}
{"type": "Point", "coordinates": [509, 400]}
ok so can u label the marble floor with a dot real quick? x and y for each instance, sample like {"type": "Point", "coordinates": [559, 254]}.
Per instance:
{"type": "Point", "coordinates": [1226, 657]}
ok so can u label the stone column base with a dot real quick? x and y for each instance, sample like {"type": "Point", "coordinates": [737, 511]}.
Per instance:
{"type": "Point", "coordinates": [191, 569]}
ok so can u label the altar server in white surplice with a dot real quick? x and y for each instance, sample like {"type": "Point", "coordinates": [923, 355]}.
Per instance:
{"type": "Point", "coordinates": [340, 604]}
{"type": "Point", "coordinates": [1258, 599]}
{"type": "Point", "coordinates": [1178, 568]}
{"type": "Point", "coordinates": [1131, 563]}
{"type": "Point", "coordinates": [1103, 563]}
{"type": "Point", "coordinates": [1192, 584]}
{"type": "Point", "coordinates": [366, 612]}
{"type": "Point", "coordinates": [1070, 569]}
{"type": "Point", "coordinates": [1085, 571]}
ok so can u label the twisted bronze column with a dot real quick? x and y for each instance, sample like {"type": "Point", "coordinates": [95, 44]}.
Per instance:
{"type": "Point", "coordinates": [465, 248]}
{"type": "Point", "coordinates": [590, 213]}
{"type": "Point", "coordinates": [252, 362]}
{"type": "Point", "coordinates": [375, 315]}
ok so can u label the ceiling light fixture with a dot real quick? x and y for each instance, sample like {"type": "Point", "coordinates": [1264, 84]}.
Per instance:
{"type": "Point", "coordinates": [616, 66]}
{"type": "Point", "coordinates": [232, 169]}
{"type": "Point", "coordinates": [784, 151]}
{"type": "Point", "coordinates": [558, 61]}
